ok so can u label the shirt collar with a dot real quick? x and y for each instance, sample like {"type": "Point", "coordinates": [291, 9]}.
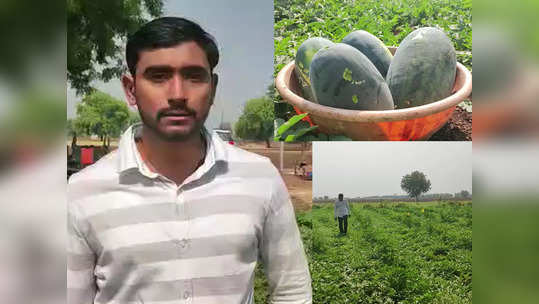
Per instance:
{"type": "Point", "coordinates": [129, 156]}
{"type": "Point", "coordinates": [127, 150]}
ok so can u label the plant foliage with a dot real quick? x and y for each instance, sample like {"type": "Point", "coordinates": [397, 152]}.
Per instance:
{"type": "Point", "coordinates": [256, 121]}
{"type": "Point", "coordinates": [96, 34]}
{"type": "Point", "coordinates": [390, 20]}
{"type": "Point", "coordinates": [393, 253]}
{"type": "Point", "coordinates": [103, 115]}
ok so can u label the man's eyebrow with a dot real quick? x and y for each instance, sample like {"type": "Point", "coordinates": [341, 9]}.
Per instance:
{"type": "Point", "coordinates": [158, 68]}
{"type": "Point", "coordinates": [170, 69]}
{"type": "Point", "coordinates": [194, 69]}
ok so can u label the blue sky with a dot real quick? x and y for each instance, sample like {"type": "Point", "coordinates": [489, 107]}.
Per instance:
{"type": "Point", "coordinates": [244, 33]}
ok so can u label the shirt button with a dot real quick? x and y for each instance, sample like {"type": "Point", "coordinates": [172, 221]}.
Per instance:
{"type": "Point", "coordinates": [182, 243]}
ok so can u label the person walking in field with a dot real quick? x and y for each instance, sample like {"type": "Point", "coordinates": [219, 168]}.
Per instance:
{"type": "Point", "coordinates": [342, 212]}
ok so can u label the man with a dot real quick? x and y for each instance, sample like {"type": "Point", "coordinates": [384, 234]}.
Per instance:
{"type": "Point", "coordinates": [175, 214]}
{"type": "Point", "coordinates": [302, 166]}
{"type": "Point", "coordinates": [342, 212]}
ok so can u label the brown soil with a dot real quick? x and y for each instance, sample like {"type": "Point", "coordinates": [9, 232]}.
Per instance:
{"type": "Point", "coordinates": [301, 192]}
{"type": "Point", "coordinates": [292, 155]}
{"type": "Point", "coordinates": [458, 128]}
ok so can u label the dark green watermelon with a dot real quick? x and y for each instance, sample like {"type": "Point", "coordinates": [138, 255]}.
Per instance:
{"type": "Point", "coordinates": [423, 68]}
{"type": "Point", "coordinates": [304, 56]}
{"type": "Point", "coordinates": [372, 47]}
{"type": "Point", "coordinates": [342, 77]}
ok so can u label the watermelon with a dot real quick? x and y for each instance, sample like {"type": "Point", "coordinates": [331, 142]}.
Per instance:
{"type": "Point", "coordinates": [303, 60]}
{"type": "Point", "coordinates": [372, 47]}
{"type": "Point", "coordinates": [342, 77]}
{"type": "Point", "coordinates": [423, 68]}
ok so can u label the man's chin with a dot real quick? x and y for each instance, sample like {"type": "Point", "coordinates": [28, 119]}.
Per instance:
{"type": "Point", "coordinates": [178, 133]}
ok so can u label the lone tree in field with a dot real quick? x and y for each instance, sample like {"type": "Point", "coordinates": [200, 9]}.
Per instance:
{"type": "Point", "coordinates": [415, 184]}
{"type": "Point", "coordinates": [465, 194]}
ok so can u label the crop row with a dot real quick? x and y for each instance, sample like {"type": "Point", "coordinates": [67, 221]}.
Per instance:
{"type": "Point", "coordinates": [399, 253]}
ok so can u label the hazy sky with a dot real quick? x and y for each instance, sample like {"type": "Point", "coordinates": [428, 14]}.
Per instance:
{"type": "Point", "coordinates": [376, 168]}
{"type": "Point", "coordinates": [244, 33]}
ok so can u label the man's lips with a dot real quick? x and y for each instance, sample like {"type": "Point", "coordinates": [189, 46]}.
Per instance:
{"type": "Point", "coordinates": [177, 114]}
{"type": "Point", "coordinates": [177, 117]}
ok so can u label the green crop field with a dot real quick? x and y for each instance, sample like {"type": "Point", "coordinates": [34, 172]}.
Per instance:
{"type": "Point", "coordinates": [393, 253]}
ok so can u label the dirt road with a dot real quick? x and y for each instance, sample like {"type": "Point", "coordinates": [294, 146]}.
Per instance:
{"type": "Point", "coordinates": [300, 190]}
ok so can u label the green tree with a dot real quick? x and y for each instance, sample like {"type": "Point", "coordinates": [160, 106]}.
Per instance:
{"type": "Point", "coordinates": [256, 121]}
{"type": "Point", "coordinates": [70, 127]}
{"type": "Point", "coordinates": [71, 131]}
{"type": "Point", "coordinates": [134, 117]}
{"type": "Point", "coordinates": [96, 34]}
{"type": "Point", "coordinates": [102, 115]}
{"type": "Point", "coordinates": [415, 184]}
{"type": "Point", "coordinates": [465, 194]}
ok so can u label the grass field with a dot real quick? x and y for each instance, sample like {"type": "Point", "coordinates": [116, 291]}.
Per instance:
{"type": "Point", "coordinates": [393, 253]}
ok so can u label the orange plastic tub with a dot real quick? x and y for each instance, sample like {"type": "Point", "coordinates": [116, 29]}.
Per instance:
{"type": "Point", "coordinates": [417, 123]}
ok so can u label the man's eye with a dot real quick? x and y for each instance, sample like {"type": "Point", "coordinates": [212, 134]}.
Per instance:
{"type": "Point", "coordinates": [159, 77]}
{"type": "Point", "coordinates": [197, 77]}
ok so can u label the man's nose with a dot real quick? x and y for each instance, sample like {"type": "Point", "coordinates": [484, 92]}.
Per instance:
{"type": "Point", "coordinates": [177, 88]}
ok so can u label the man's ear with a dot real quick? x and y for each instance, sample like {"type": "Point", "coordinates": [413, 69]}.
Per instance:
{"type": "Point", "coordinates": [214, 82]}
{"type": "Point", "coordinates": [128, 83]}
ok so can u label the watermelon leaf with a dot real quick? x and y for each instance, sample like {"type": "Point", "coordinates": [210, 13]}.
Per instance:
{"type": "Point", "coordinates": [277, 123]}
{"type": "Point", "coordinates": [292, 121]}
{"type": "Point", "coordinates": [299, 133]}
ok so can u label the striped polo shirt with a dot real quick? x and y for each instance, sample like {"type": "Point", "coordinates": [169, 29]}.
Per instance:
{"type": "Point", "coordinates": [137, 237]}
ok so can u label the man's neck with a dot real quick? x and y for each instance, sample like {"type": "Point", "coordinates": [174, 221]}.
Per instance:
{"type": "Point", "coordinates": [175, 160]}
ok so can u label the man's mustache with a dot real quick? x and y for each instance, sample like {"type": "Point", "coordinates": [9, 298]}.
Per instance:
{"type": "Point", "coordinates": [176, 111]}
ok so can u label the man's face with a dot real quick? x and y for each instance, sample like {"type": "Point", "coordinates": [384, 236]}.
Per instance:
{"type": "Point", "coordinates": [173, 89]}
{"type": "Point", "coordinates": [340, 197]}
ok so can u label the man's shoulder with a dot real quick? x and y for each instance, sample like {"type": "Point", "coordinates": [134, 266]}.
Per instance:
{"type": "Point", "coordinates": [238, 155]}
{"type": "Point", "coordinates": [104, 169]}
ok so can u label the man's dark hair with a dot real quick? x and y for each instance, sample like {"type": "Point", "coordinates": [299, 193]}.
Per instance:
{"type": "Point", "coordinates": [341, 195]}
{"type": "Point", "coordinates": [168, 32]}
